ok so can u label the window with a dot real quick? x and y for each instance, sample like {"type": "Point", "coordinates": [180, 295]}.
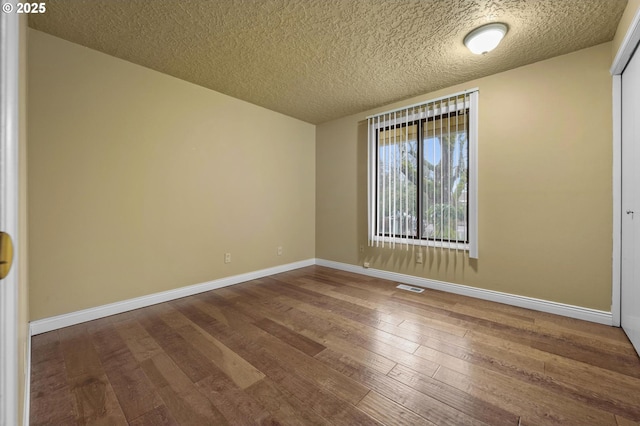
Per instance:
{"type": "Point", "coordinates": [423, 174]}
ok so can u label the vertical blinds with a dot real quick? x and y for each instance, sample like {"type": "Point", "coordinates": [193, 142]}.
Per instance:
{"type": "Point", "coordinates": [422, 175]}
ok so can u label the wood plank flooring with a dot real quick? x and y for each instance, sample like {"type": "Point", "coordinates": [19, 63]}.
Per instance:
{"type": "Point", "coordinates": [317, 346]}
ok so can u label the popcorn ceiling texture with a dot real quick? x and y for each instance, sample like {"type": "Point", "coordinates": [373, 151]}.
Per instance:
{"type": "Point", "coordinates": [318, 60]}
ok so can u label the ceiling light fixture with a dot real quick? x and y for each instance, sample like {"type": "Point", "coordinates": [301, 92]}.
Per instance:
{"type": "Point", "coordinates": [485, 38]}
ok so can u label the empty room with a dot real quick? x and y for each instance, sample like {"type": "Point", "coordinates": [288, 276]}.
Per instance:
{"type": "Point", "coordinates": [301, 212]}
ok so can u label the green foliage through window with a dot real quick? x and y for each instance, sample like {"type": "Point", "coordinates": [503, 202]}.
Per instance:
{"type": "Point", "coordinates": [422, 178]}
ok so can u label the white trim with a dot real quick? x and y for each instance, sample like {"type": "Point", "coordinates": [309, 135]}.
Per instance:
{"type": "Point", "coordinates": [9, 124]}
{"type": "Point", "coordinates": [627, 47]}
{"type": "Point", "coordinates": [420, 242]}
{"type": "Point", "coordinates": [572, 311]}
{"type": "Point", "coordinates": [72, 318]}
{"type": "Point", "coordinates": [65, 320]}
{"type": "Point", "coordinates": [27, 382]}
{"type": "Point", "coordinates": [616, 255]}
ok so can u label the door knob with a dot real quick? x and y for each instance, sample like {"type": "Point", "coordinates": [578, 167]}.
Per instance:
{"type": "Point", "coordinates": [6, 254]}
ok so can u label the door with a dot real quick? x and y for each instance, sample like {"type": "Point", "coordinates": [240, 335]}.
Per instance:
{"type": "Point", "coordinates": [630, 268]}
{"type": "Point", "coordinates": [9, 31]}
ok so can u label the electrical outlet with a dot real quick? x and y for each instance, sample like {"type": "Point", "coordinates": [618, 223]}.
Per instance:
{"type": "Point", "coordinates": [279, 250]}
{"type": "Point", "coordinates": [419, 257]}
{"type": "Point", "coordinates": [361, 248]}
{"type": "Point", "coordinates": [227, 258]}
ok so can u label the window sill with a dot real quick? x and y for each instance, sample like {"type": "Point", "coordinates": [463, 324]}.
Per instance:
{"type": "Point", "coordinates": [379, 241]}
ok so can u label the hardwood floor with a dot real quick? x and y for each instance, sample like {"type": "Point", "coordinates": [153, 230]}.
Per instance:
{"type": "Point", "coordinates": [319, 346]}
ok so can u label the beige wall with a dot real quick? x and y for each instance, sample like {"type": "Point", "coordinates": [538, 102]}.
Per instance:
{"type": "Point", "coordinates": [23, 291]}
{"type": "Point", "coordinates": [623, 25]}
{"type": "Point", "coordinates": [544, 185]}
{"type": "Point", "coordinates": [140, 182]}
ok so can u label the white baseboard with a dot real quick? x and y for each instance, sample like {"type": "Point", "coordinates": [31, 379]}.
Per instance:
{"type": "Point", "coordinates": [572, 311]}
{"type": "Point", "coordinates": [72, 318]}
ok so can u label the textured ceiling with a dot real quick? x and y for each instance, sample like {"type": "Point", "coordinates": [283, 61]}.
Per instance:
{"type": "Point", "coordinates": [317, 60]}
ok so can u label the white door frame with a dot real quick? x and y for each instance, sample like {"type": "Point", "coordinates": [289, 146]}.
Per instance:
{"type": "Point", "coordinates": [9, 123]}
{"type": "Point", "coordinates": [623, 56]}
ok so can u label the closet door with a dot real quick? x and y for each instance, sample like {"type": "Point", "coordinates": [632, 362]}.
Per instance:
{"type": "Point", "coordinates": [630, 276]}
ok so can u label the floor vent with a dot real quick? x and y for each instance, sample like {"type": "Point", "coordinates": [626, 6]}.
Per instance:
{"type": "Point", "coordinates": [409, 288]}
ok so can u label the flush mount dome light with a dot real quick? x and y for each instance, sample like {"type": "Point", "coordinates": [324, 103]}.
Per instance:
{"type": "Point", "coordinates": [485, 38]}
